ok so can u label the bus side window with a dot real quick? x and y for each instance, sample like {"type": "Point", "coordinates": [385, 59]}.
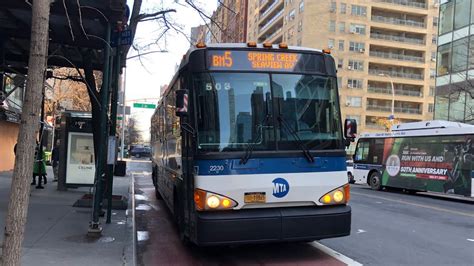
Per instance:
{"type": "Point", "coordinates": [377, 151]}
{"type": "Point", "coordinates": [362, 151]}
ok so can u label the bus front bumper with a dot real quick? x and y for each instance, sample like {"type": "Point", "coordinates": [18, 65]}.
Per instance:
{"type": "Point", "coordinates": [272, 225]}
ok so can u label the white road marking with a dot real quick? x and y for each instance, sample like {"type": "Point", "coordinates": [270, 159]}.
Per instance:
{"type": "Point", "coordinates": [335, 254]}
{"type": "Point", "coordinates": [360, 231]}
{"type": "Point", "coordinates": [472, 240]}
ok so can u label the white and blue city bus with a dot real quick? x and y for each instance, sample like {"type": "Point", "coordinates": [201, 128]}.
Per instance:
{"type": "Point", "coordinates": [248, 146]}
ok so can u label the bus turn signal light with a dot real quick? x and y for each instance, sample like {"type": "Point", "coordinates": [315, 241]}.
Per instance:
{"type": "Point", "coordinates": [339, 195]}
{"type": "Point", "coordinates": [205, 200]}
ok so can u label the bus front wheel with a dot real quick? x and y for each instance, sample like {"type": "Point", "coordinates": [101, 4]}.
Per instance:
{"type": "Point", "coordinates": [376, 181]}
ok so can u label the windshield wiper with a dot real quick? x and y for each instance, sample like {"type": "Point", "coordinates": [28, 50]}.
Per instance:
{"type": "Point", "coordinates": [305, 150]}
{"type": "Point", "coordinates": [254, 141]}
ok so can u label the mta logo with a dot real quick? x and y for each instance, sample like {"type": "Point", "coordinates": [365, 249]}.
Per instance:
{"type": "Point", "coordinates": [280, 187]}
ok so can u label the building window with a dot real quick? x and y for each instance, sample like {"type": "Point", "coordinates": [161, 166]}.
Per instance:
{"type": "Point", "coordinates": [333, 7]}
{"type": "Point", "coordinates": [435, 21]}
{"type": "Point", "coordinates": [446, 18]}
{"type": "Point", "coordinates": [353, 101]}
{"type": "Point", "coordinates": [343, 8]}
{"type": "Point", "coordinates": [298, 42]}
{"type": "Point", "coordinates": [331, 43]}
{"type": "Point", "coordinates": [340, 63]}
{"type": "Point", "coordinates": [434, 39]}
{"type": "Point", "coordinates": [358, 29]}
{"type": "Point", "coordinates": [341, 45]}
{"type": "Point", "coordinates": [431, 93]}
{"type": "Point", "coordinates": [444, 59]}
{"type": "Point", "coordinates": [332, 26]}
{"type": "Point", "coordinates": [433, 56]}
{"type": "Point", "coordinates": [339, 82]}
{"type": "Point", "coordinates": [355, 117]}
{"type": "Point", "coordinates": [356, 65]}
{"type": "Point", "coordinates": [358, 10]}
{"type": "Point", "coordinates": [430, 108]}
{"type": "Point", "coordinates": [342, 27]}
{"type": "Point", "coordinates": [432, 73]}
{"type": "Point", "coordinates": [459, 57]}
{"type": "Point", "coordinates": [291, 15]}
{"type": "Point", "coordinates": [301, 6]}
{"type": "Point", "coordinates": [291, 32]}
{"type": "Point", "coordinates": [357, 47]}
{"type": "Point", "coordinates": [462, 9]}
{"type": "Point", "coordinates": [300, 26]}
{"type": "Point", "coordinates": [471, 52]}
{"type": "Point", "coordinates": [354, 83]}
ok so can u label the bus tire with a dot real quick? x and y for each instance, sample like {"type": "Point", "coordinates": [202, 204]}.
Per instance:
{"type": "Point", "coordinates": [375, 181]}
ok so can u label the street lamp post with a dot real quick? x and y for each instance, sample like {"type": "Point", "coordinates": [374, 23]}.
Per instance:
{"type": "Point", "coordinates": [392, 116]}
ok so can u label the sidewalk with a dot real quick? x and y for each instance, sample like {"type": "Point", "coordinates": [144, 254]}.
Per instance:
{"type": "Point", "coordinates": [56, 231]}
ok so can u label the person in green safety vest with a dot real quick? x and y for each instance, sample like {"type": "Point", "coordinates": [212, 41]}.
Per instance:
{"type": "Point", "coordinates": [39, 169]}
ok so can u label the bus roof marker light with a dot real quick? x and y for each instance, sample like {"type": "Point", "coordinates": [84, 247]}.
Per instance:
{"type": "Point", "coordinates": [283, 45]}
{"type": "Point", "coordinates": [200, 45]}
{"type": "Point", "coordinates": [267, 45]}
{"type": "Point", "coordinates": [251, 44]}
{"type": "Point", "coordinates": [327, 51]}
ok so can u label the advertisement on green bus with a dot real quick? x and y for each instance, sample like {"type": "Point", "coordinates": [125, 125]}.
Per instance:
{"type": "Point", "coordinates": [435, 163]}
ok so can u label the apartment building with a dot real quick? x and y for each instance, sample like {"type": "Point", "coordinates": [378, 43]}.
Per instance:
{"type": "Point", "coordinates": [455, 69]}
{"type": "Point", "coordinates": [375, 44]}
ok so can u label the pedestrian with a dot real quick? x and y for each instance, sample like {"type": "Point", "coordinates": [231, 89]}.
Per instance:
{"type": "Point", "coordinates": [39, 169]}
{"type": "Point", "coordinates": [55, 161]}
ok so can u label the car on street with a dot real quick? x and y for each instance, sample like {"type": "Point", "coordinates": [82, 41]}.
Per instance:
{"type": "Point", "coordinates": [350, 171]}
{"type": "Point", "coordinates": [139, 152]}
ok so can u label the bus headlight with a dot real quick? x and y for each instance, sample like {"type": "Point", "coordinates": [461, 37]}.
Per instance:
{"type": "Point", "coordinates": [205, 200]}
{"type": "Point", "coordinates": [340, 195]}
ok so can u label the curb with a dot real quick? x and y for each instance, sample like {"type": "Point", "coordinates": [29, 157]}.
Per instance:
{"type": "Point", "coordinates": [134, 226]}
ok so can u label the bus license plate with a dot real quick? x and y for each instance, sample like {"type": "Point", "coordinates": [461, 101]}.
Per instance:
{"type": "Point", "coordinates": [255, 197]}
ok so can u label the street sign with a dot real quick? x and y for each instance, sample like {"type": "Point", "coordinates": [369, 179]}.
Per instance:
{"type": "Point", "coordinates": [126, 37]}
{"type": "Point", "coordinates": [119, 118]}
{"type": "Point", "coordinates": [144, 105]}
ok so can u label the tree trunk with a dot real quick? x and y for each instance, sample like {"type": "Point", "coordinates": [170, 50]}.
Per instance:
{"type": "Point", "coordinates": [23, 171]}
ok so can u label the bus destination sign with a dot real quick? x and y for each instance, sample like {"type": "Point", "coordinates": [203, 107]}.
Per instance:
{"type": "Point", "coordinates": [256, 60]}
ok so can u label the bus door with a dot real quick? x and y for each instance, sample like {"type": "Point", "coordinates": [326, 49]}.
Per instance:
{"type": "Point", "coordinates": [361, 168]}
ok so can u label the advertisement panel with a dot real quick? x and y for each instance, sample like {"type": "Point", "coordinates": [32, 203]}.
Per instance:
{"type": "Point", "coordinates": [80, 159]}
{"type": "Point", "coordinates": [435, 163]}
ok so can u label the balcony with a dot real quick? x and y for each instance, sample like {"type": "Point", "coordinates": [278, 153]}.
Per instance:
{"type": "Point", "coordinates": [396, 56]}
{"type": "Point", "coordinates": [398, 21]}
{"type": "Point", "coordinates": [405, 3]}
{"type": "Point", "coordinates": [397, 109]}
{"type": "Point", "coordinates": [387, 90]}
{"type": "Point", "coordinates": [395, 38]}
{"type": "Point", "coordinates": [396, 74]}
{"type": "Point", "coordinates": [270, 8]}
{"type": "Point", "coordinates": [270, 22]}
{"type": "Point", "coordinates": [270, 36]}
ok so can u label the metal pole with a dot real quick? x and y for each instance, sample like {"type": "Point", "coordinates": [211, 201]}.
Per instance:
{"type": "Point", "coordinates": [393, 98]}
{"type": "Point", "coordinates": [94, 227]}
{"type": "Point", "coordinates": [123, 113]}
{"type": "Point", "coordinates": [113, 130]}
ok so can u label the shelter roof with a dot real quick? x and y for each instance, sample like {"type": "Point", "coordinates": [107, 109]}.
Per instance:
{"type": "Point", "coordinates": [75, 26]}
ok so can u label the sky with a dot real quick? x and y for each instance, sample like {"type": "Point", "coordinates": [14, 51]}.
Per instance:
{"type": "Point", "coordinates": [144, 76]}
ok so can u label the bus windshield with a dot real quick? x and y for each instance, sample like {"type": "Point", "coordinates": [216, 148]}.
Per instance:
{"type": "Point", "coordinates": [240, 109]}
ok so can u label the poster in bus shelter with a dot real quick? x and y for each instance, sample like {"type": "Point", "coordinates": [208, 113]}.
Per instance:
{"type": "Point", "coordinates": [80, 167]}
{"type": "Point", "coordinates": [440, 163]}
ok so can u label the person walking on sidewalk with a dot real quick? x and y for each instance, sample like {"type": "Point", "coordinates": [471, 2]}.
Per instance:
{"type": "Point", "coordinates": [55, 161]}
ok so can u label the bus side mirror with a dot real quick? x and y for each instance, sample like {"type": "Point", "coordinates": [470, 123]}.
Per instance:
{"type": "Point", "coordinates": [181, 103]}
{"type": "Point", "coordinates": [350, 130]}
